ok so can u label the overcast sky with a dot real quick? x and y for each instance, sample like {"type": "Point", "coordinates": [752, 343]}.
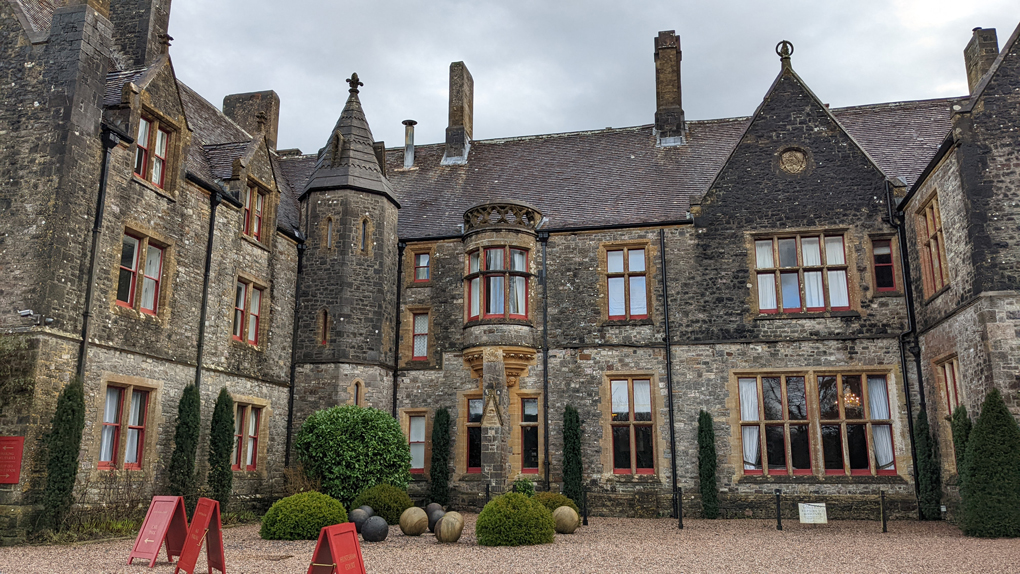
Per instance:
{"type": "Point", "coordinates": [564, 65]}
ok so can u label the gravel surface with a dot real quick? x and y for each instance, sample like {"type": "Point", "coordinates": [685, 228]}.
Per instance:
{"type": "Point", "coordinates": [607, 544]}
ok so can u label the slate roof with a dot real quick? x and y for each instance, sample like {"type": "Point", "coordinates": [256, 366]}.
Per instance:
{"type": "Point", "coordinates": [38, 14]}
{"type": "Point", "coordinates": [221, 157]}
{"type": "Point", "coordinates": [115, 85]}
{"type": "Point", "coordinates": [618, 176]}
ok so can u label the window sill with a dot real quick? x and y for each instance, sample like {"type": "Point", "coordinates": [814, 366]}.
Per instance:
{"type": "Point", "coordinates": [894, 293]}
{"type": "Point", "coordinates": [153, 187]}
{"type": "Point", "coordinates": [124, 310]}
{"type": "Point", "coordinates": [498, 321]}
{"type": "Point", "coordinates": [938, 293]}
{"type": "Point", "coordinates": [255, 242]}
{"type": "Point", "coordinates": [234, 341]}
{"type": "Point", "coordinates": [820, 479]}
{"type": "Point", "coordinates": [635, 478]}
{"type": "Point", "coordinates": [413, 284]}
{"type": "Point", "coordinates": [626, 322]}
{"type": "Point", "coordinates": [819, 315]}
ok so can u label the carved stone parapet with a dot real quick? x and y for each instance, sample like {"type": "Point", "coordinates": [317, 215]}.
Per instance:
{"type": "Point", "coordinates": [511, 215]}
{"type": "Point", "coordinates": [516, 361]}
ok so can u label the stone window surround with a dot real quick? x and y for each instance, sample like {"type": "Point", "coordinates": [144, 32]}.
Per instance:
{"type": "Point", "coordinates": [264, 307]}
{"type": "Point", "coordinates": [153, 422]}
{"type": "Point", "coordinates": [406, 351]}
{"type": "Point", "coordinates": [516, 438]}
{"type": "Point", "coordinates": [145, 235]}
{"type": "Point", "coordinates": [893, 380]}
{"type": "Point", "coordinates": [364, 233]}
{"type": "Point", "coordinates": [931, 288]}
{"type": "Point", "coordinates": [322, 324]}
{"type": "Point", "coordinates": [659, 446]}
{"type": "Point", "coordinates": [413, 251]}
{"type": "Point", "coordinates": [460, 442]}
{"type": "Point", "coordinates": [328, 234]}
{"type": "Point", "coordinates": [626, 246]}
{"type": "Point", "coordinates": [262, 456]}
{"type": "Point", "coordinates": [269, 208]}
{"type": "Point", "coordinates": [173, 152]}
{"type": "Point", "coordinates": [356, 393]}
{"type": "Point", "coordinates": [945, 407]}
{"type": "Point", "coordinates": [405, 415]}
{"type": "Point", "coordinates": [252, 193]}
{"type": "Point", "coordinates": [894, 247]}
{"type": "Point", "coordinates": [850, 264]}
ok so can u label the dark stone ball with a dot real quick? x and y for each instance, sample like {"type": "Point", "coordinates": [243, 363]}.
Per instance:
{"type": "Point", "coordinates": [368, 510]}
{"type": "Point", "coordinates": [434, 517]}
{"type": "Point", "coordinates": [433, 506]}
{"type": "Point", "coordinates": [358, 517]}
{"type": "Point", "coordinates": [375, 529]}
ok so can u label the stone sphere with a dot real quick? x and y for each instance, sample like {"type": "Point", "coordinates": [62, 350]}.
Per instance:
{"type": "Point", "coordinates": [449, 527]}
{"type": "Point", "coordinates": [565, 519]}
{"type": "Point", "coordinates": [433, 506]}
{"type": "Point", "coordinates": [368, 510]}
{"type": "Point", "coordinates": [413, 521]}
{"type": "Point", "coordinates": [375, 529]}
{"type": "Point", "coordinates": [434, 517]}
{"type": "Point", "coordinates": [358, 517]}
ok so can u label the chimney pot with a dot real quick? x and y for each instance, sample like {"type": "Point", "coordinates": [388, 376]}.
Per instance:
{"type": "Point", "coordinates": [980, 53]}
{"type": "Point", "coordinates": [409, 143]}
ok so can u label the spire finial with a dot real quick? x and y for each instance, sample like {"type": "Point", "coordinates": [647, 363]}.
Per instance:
{"type": "Point", "coordinates": [354, 83]}
{"type": "Point", "coordinates": [784, 49]}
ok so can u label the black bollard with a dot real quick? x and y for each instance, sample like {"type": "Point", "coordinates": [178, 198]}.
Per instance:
{"type": "Point", "coordinates": [680, 506]}
{"type": "Point", "coordinates": [885, 526]}
{"type": "Point", "coordinates": [514, 487]}
{"type": "Point", "coordinates": [779, 515]}
{"type": "Point", "coordinates": [486, 493]}
{"type": "Point", "coordinates": [584, 506]}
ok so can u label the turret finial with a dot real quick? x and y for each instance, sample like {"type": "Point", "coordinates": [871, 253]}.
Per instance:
{"type": "Point", "coordinates": [785, 49]}
{"type": "Point", "coordinates": [354, 83]}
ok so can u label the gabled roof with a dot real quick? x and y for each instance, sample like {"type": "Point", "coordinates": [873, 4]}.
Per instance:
{"type": "Point", "coordinates": [980, 88]}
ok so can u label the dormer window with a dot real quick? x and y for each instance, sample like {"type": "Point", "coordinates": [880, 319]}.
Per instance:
{"type": "Point", "coordinates": [254, 209]}
{"type": "Point", "coordinates": [151, 152]}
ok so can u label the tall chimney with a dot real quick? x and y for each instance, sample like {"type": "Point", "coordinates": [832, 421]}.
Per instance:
{"type": "Point", "coordinates": [409, 143]}
{"type": "Point", "coordinates": [255, 112]}
{"type": "Point", "coordinates": [458, 134]}
{"type": "Point", "coordinates": [669, 113]}
{"type": "Point", "coordinates": [140, 30]}
{"type": "Point", "coordinates": [979, 55]}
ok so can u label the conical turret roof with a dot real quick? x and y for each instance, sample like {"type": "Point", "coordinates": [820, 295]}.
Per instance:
{"type": "Point", "coordinates": [348, 160]}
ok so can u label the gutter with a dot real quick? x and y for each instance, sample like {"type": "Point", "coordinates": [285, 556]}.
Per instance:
{"type": "Point", "coordinates": [110, 138]}
{"type": "Point", "coordinates": [669, 368]}
{"type": "Point", "coordinates": [614, 226]}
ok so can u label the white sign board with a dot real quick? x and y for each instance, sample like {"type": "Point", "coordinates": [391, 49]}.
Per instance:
{"type": "Point", "coordinates": [813, 514]}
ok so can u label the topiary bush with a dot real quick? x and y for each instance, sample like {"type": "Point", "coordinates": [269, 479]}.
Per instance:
{"type": "Point", "coordinates": [706, 467]}
{"type": "Point", "coordinates": [301, 517]}
{"type": "Point", "coordinates": [386, 500]}
{"type": "Point", "coordinates": [63, 442]}
{"type": "Point", "coordinates": [181, 469]}
{"type": "Point", "coordinates": [524, 486]}
{"type": "Point", "coordinates": [929, 476]}
{"type": "Point", "coordinates": [514, 519]}
{"type": "Point", "coordinates": [352, 448]}
{"type": "Point", "coordinates": [221, 445]}
{"type": "Point", "coordinates": [991, 475]}
{"type": "Point", "coordinates": [553, 500]}
{"type": "Point", "coordinates": [439, 472]}
{"type": "Point", "coordinates": [573, 469]}
{"type": "Point", "coordinates": [961, 425]}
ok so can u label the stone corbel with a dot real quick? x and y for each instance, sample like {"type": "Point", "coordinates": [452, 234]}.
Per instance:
{"type": "Point", "coordinates": [516, 361]}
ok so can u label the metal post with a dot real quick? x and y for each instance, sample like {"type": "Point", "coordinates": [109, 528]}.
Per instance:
{"type": "Point", "coordinates": [885, 525]}
{"type": "Point", "coordinates": [514, 487]}
{"type": "Point", "coordinates": [779, 516]}
{"type": "Point", "coordinates": [486, 493]}
{"type": "Point", "coordinates": [680, 506]}
{"type": "Point", "coordinates": [584, 506]}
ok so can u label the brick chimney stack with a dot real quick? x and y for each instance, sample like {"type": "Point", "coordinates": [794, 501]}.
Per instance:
{"type": "Point", "coordinates": [244, 109]}
{"type": "Point", "coordinates": [140, 30]}
{"type": "Point", "coordinates": [979, 55]}
{"type": "Point", "coordinates": [458, 134]}
{"type": "Point", "coordinates": [669, 112]}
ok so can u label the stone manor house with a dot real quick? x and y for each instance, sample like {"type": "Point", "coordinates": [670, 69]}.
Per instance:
{"type": "Point", "coordinates": [810, 276]}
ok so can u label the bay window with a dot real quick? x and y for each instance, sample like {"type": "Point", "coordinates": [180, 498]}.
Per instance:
{"type": "Point", "coordinates": [801, 273]}
{"type": "Point", "coordinates": [497, 283]}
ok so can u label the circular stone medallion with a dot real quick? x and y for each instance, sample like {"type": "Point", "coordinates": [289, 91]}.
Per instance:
{"type": "Point", "coordinates": [793, 161]}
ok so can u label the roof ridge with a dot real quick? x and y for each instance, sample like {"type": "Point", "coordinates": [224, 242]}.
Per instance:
{"type": "Point", "coordinates": [213, 106]}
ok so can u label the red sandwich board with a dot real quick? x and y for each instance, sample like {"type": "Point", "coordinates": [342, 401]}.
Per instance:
{"type": "Point", "coordinates": [165, 521]}
{"type": "Point", "coordinates": [205, 524]}
{"type": "Point", "coordinates": [337, 551]}
{"type": "Point", "coordinates": [11, 449]}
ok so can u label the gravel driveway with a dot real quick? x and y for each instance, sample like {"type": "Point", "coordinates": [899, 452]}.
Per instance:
{"type": "Point", "coordinates": [606, 545]}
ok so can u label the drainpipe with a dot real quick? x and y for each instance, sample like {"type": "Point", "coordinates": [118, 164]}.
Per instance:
{"type": "Point", "coordinates": [543, 236]}
{"type": "Point", "coordinates": [669, 363]}
{"type": "Point", "coordinates": [215, 198]}
{"type": "Point", "coordinates": [293, 350]}
{"type": "Point", "coordinates": [109, 138]}
{"type": "Point", "coordinates": [396, 331]}
{"type": "Point", "coordinates": [909, 336]}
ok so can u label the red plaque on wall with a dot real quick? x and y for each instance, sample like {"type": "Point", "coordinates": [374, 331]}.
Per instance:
{"type": "Point", "coordinates": [11, 450]}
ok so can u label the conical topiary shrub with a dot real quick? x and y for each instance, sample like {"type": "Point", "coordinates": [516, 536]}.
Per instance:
{"type": "Point", "coordinates": [63, 442]}
{"type": "Point", "coordinates": [439, 471]}
{"type": "Point", "coordinates": [573, 469]}
{"type": "Point", "coordinates": [221, 445]}
{"type": "Point", "coordinates": [991, 474]}
{"type": "Point", "coordinates": [706, 467]}
{"type": "Point", "coordinates": [182, 462]}
{"type": "Point", "coordinates": [961, 426]}
{"type": "Point", "coordinates": [929, 476]}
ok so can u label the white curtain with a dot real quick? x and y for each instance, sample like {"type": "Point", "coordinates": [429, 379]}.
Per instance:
{"type": "Point", "coordinates": [749, 412]}
{"type": "Point", "coordinates": [153, 259]}
{"type": "Point", "coordinates": [878, 400]}
{"type": "Point", "coordinates": [617, 298]}
{"type": "Point", "coordinates": [642, 400]}
{"type": "Point", "coordinates": [813, 290]}
{"type": "Point", "coordinates": [417, 440]}
{"type": "Point", "coordinates": [111, 414]}
{"type": "Point", "coordinates": [636, 260]}
{"type": "Point", "coordinates": [638, 296]}
{"type": "Point", "coordinates": [838, 296]}
{"type": "Point", "coordinates": [763, 254]}
{"type": "Point", "coordinates": [135, 418]}
{"type": "Point", "coordinates": [834, 251]}
{"type": "Point", "coordinates": [614, 261]}
{"type": "Point", "coordinates": [766, 292]}
{"type": "Point", "coordinates": [518, 304]}
{"type": "Point", "coordinates": [253, 421]}
{"type": "Point", "coordinates": [621, 400]}
{"type": "Point", "coordinates": [812, 253]}
{"type": "Point", "coordinates": [476, 288]}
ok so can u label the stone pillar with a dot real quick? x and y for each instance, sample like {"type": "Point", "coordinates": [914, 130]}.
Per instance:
{"type": "Point", "coordinates": [495, 420]}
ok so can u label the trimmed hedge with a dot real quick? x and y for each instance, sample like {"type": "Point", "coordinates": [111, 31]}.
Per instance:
{"type": "Point", "coordinates": [524, 486]}
{"type": "Point", "coordinates": [573, 467]}
{"type": "Point", "coordinates": [182, 462]}
{"type": "Point", "coordinates": [514, 519]}
{"type": "Point", "coordinates": [439, 471]}
{"type": "Point", "coordinates": [991, 483]}
{"type": "Point", "coordinates": [386, 500]}
{"type": "Point", "coordinates": [63, 442]}
{"type": "Point", "coordinates": [553, 500]}
{"type": "Point", "coordinates": [221, 446]}
{"type": "Point", "coordinates": [352, 448]}
{"type": "Point", "coordinates": [706, 467]}
{"type": "Point", "coordinates": [301, 517]}
{"type": "Point", "coordinates": [929, 475]}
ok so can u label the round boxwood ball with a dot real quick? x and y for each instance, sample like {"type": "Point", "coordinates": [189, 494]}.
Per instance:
{"type": "Point", "coordinates": [358, 517]}
{"type": "Point", "coordinates": [413, 521]}
{"type": "Point", "coordinates": [449, 527]}
{"type": "Point", "coordinates": [434, 517]}
{"type": "Point", "coordinates": [433, 506]}
{"type": "Point", "coordinates": [375, 529]}
{"type": "Point", "coordinates": [368, 510]}
{"type": "Point", "coordinates": [565, 519]}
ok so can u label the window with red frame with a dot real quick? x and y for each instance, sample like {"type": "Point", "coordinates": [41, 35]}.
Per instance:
{"type": "Point", "coordinates": [529, 435]}
{"type": "Point", "coordinates": [625, 283]}
{"type": "Point", "coordinates": [775, 408]}
{"type": "Point", "coordinates": [240, 300]}
{"type": "Point", "coordinates": [885, 273]}
{"type": "Point", "coordinates": [631, 422]}
{"type": "Point", "coordinates": [153, 143]}
{"type": "Point", "coordinates": [801, 273]}
{"type": "Point", "coordinates": [421, 337]}
{"type": "Point", "coordinates": [497, 283]}
{"type": "Point", "coordinates": [247, 313]}
{"type": "Point", "coordinates": [109, 441]}
{"type": "Point", "coordinates": [151, 279]}
{"type": "Point", "coordinates": [474, 430]}
{"type": "Point", "coordinates": [852, 409]}
{"type": "Point", "coordinates": [136, 429]}
{"type": "Point", "coordinates": [950, 371]}
{"type": "Point", "coordinates": [421, 267]}
{"type": "Point", "coordinates": [247, 422]}
{"type": "Point", "coordinates": [934, 272]}
{"type": "Point", "coordinates": [254, 207]}
{"type": "Point", "coordinates": [140, 253]}
{"type": "Point", "coordinates": [128, 271]}
{"type": "Point", "coordinates": [254, 313]}
{"type": "Point", "coordinates": [416, 440]}
{"type": "Point", "coordinates": [238, 454]}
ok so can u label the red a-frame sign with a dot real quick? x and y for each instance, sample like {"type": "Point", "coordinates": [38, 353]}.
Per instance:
{"type": "Point", "coordinates": [337, 551]}
{"type": "Point", "coordinates": [165, 521]}
{"type": "Point", "coordinates": [205, 525]}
